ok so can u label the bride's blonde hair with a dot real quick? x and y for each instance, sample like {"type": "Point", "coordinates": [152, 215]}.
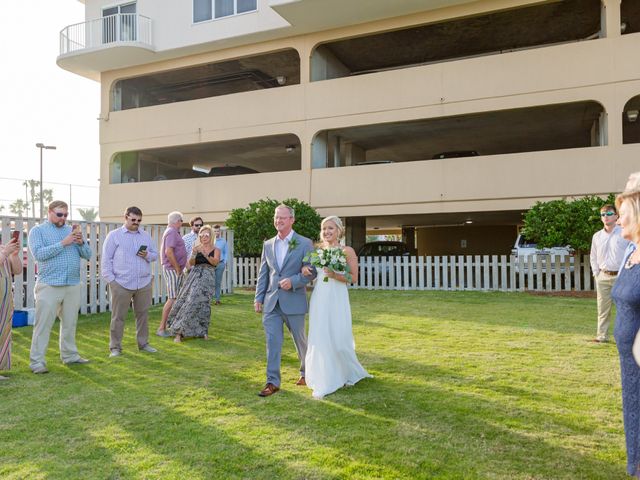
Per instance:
{"type": "Point", "coordinates": [336, 221]}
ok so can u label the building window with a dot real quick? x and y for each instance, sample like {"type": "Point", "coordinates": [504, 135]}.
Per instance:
{"type": "Point", "coordinates": [119, 23]}
{"type": "Point", "coordinates": [207, 9]}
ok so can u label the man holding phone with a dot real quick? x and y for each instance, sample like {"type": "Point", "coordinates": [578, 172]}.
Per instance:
{"type": "Point", "coordinates": [127, 255]}
{"type": "Point", "coordinates": [58, 249]}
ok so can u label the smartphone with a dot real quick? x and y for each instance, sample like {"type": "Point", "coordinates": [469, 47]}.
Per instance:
{"type": "Point", "coordinates": [143, 248]}
{"type": "Point", "coordinates": [75, 228]}
{"type": "Point", "coordinates": [15, 235]}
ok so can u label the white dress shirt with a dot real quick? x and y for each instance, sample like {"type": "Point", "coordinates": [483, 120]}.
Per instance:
{"type": "Point", "coordinates": [607, 250]}
{"type": "Point", "coordinates": [281, 247]}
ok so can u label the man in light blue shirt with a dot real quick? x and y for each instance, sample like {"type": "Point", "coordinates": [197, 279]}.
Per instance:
{"type": "Point", "coordinates": [221, 244]}
{"type": "Point", "coordinates": [127, 255]}
{"type": "Point", "coordinates": [190, 238]}
{"type": "Point", "coordinates": [57, 248]}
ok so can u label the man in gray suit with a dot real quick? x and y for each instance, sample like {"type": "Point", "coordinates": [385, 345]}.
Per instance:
{"type": "Point", "coordinates": [281, 294]}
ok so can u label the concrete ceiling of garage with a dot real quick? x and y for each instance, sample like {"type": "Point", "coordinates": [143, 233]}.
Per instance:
{"type": "Point", "coordinates": [551, 22]}
{"type": "Point", "coordinates": [509, 217]}
{"type": "Point", "coordinates": [255, 72]}
{"type": "Point", "coordinates": [549, 127]}
{"type": "Point", "coordinates": [263, 154]}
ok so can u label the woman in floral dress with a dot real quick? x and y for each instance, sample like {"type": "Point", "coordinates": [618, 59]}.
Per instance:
{"type": "Point", "coordinates": [10, 263]}
{"type": "Point", "coordinates": [191, 312]}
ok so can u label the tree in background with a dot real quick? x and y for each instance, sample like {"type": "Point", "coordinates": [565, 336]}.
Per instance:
{"type": "Point", "coordinates": [254, 224]}
{"type": "Point", "coordinates": [561, 222]}
{"type": "Point", "coordinates": [32, 197]}
{"type": "Point", "coordinates": [18, 207]}
{"type": "Point", "coordinates": [88, 214]}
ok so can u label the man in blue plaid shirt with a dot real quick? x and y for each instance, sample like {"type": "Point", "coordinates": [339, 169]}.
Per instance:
{"type": "Point", "coordinates": [57, 248]}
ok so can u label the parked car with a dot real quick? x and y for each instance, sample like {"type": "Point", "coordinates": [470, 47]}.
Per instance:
{"type": "Point", "coordinates": [456, 154]}
{"type": "Point", "coordinates": [230, 170]}
{"type": "Point", "coordinates": [524, 248]}
{"type": "Point", "coordinates": [384, 249]}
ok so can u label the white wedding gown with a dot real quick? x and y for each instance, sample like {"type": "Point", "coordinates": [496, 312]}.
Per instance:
{"type": "Point", "coordinates": [331, 361]}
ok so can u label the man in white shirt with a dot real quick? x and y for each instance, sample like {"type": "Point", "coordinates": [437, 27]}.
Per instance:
{"type": "Point", "coordinates": [607, 251]}
{"type": "Point", "coordinates": [190, 238]}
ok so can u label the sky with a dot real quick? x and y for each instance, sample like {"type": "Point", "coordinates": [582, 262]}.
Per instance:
{"type": "Point", "coordinates": [45, 104]}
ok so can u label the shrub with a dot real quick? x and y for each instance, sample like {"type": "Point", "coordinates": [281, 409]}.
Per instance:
{"type": "Point", "coordinates": [562, 222]}
{"type": "Point", "coordinates": [254, 224]}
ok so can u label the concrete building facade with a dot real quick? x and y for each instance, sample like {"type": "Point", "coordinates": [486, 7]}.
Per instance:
{"type": "Point", "coordinates": [438, 118]}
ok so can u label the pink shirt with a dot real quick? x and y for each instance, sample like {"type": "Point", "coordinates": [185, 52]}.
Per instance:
{"type": "Point", "coordinates": [171, 239]}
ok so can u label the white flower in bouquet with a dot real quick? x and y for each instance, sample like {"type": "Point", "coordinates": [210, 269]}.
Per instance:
{"type": "Point", "coordinates": [332, 258]}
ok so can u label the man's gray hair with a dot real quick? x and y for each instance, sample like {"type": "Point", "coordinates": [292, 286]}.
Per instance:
{"type": "Point", "coordinates": [292, 212]}
{"type": "Point", "coordinates": [174, 217]}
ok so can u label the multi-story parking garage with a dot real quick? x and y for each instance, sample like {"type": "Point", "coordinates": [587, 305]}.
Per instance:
{"type": "Point", "coordinates": [443, 119]}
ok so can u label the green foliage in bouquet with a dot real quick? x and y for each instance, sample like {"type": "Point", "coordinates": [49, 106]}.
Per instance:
{"type": "Point", "coordinates": [332, 258]}
{"type": "Point", "coordinates": [254, 224]}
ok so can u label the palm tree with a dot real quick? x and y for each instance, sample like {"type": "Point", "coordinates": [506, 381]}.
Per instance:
{"type": "Point", "coordinates": [47, 197]}
{"type": "Point", "coordinates": [18, 207]}
{"type": "Point", "coordinates": [88, 214]}
{"type": "Point", "coordinates": [32, 185]}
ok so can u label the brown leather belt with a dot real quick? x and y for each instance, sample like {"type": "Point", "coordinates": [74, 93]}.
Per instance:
{"type": "Point", "coordinates": [610, 272]}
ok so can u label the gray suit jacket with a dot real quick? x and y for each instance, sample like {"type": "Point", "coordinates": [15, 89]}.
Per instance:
{"type": "Point", "coordinates": [294, 301]}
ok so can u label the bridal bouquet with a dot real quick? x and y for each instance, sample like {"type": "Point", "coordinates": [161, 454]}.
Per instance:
{"type": "Point", "coordinates": [332, 258]}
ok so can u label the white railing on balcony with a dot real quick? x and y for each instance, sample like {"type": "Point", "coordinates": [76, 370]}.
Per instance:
{"type": "Point", "coordinates": [113, 29]}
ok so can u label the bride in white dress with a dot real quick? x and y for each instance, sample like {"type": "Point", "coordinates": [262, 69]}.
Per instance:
{"type": "Point", "coordinates": [331, 361]}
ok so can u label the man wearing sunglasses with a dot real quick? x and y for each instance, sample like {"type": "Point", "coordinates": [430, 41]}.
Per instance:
{"type": "Point", "coordinates": [607, 252]}
{"type": "Point", "coordinates": [127, 255]}
{"type": "Point", "coordinates": [190, 238]}
{"type": "Point", "coordinates": [57, 248]}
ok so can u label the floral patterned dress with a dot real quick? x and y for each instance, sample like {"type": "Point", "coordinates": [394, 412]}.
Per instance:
{"type": "Point", "coordinates": [191, 312]}
{"type": "Point", "coordinates": [6, 314]}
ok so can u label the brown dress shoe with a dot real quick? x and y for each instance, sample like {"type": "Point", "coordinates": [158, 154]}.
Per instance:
{"type": "Point", "coordinates": [301, 382]}
{"type": "Point", "coordinates": [269, 389]}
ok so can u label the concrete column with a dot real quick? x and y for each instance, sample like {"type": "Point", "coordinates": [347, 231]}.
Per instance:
{"type": "Point", "coordinates": [610, 18]}
{"type": "Point", "coordinates": [409, 237]}
{"type": "Point", "coordinates": [319, 151]}
{"type": "Point", "coordinates": [355, 232]}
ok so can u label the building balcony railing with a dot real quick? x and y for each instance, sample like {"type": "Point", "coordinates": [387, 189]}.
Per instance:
{"type": "Point", "coordinates": [106, 31]}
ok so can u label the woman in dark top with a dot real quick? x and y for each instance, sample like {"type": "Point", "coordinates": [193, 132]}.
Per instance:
{"type": "Point", "coordinates": [626, 294]}
{"type": "Point", "coordinates": [191, 312]}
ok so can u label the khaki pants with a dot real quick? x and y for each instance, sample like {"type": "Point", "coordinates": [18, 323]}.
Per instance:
{"type": "Point", "coordinates": [604, 284]}
{"type": "Point", "coordinates": [52, 301]}
{"type": "Point", "coordinates": [120, 301]}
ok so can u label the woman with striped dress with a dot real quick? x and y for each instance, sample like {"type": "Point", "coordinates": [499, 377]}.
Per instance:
{"type": "Point", "coordinates": [10, 264]}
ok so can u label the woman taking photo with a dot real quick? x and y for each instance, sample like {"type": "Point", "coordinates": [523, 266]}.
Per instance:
{"type": "Point", "coordinates": [191, 312]}
{"type": "Point", "coordinates": [626, 294]}
{"type": "Point", "coordinates": [10, 264]}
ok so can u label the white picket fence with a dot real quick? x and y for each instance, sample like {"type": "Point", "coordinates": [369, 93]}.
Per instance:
{"type": "Point", "coordinates": [94, 289]}
{"type": "Point", "coordinates": [468, 272]}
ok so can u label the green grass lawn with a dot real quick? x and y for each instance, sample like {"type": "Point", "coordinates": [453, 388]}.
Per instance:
{"type": "Point", "coordinates": [467, 385]}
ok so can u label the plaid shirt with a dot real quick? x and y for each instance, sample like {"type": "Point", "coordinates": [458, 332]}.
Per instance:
{"type": "Point", "coordinates": [57, 265]}
{"type": "Point", "coordinates": [189, 240]}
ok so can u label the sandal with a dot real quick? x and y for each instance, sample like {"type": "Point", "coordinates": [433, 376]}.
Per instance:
{"type": "Point", "coordinates": [178, 338]}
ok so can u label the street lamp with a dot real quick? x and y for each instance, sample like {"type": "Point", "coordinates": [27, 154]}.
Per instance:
{"type": "Point", "coordinates": [42, 146]}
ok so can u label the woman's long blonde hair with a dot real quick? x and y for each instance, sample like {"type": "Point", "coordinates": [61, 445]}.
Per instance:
{"type": "Point", "coordinates": [632, 198]}
{"type": "Point", "coordinates": [197, 243]}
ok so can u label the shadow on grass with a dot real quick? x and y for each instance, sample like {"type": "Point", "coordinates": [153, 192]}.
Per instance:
{"type": "Point", "coordinates": [192, 410]}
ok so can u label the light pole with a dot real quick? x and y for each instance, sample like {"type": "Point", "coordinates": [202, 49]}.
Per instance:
{"type": "Point", "coordinates": [42, 146]}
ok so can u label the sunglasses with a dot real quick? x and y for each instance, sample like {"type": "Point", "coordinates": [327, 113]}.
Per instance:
{"type": "Point", "coordinates": [60, 214]}
{"type": "Point", "coordinates": [607, 214]}
{"type": "Point", "coordinates": [135, 220]}
{"type": "Point", "coordinates": [197, 224]}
